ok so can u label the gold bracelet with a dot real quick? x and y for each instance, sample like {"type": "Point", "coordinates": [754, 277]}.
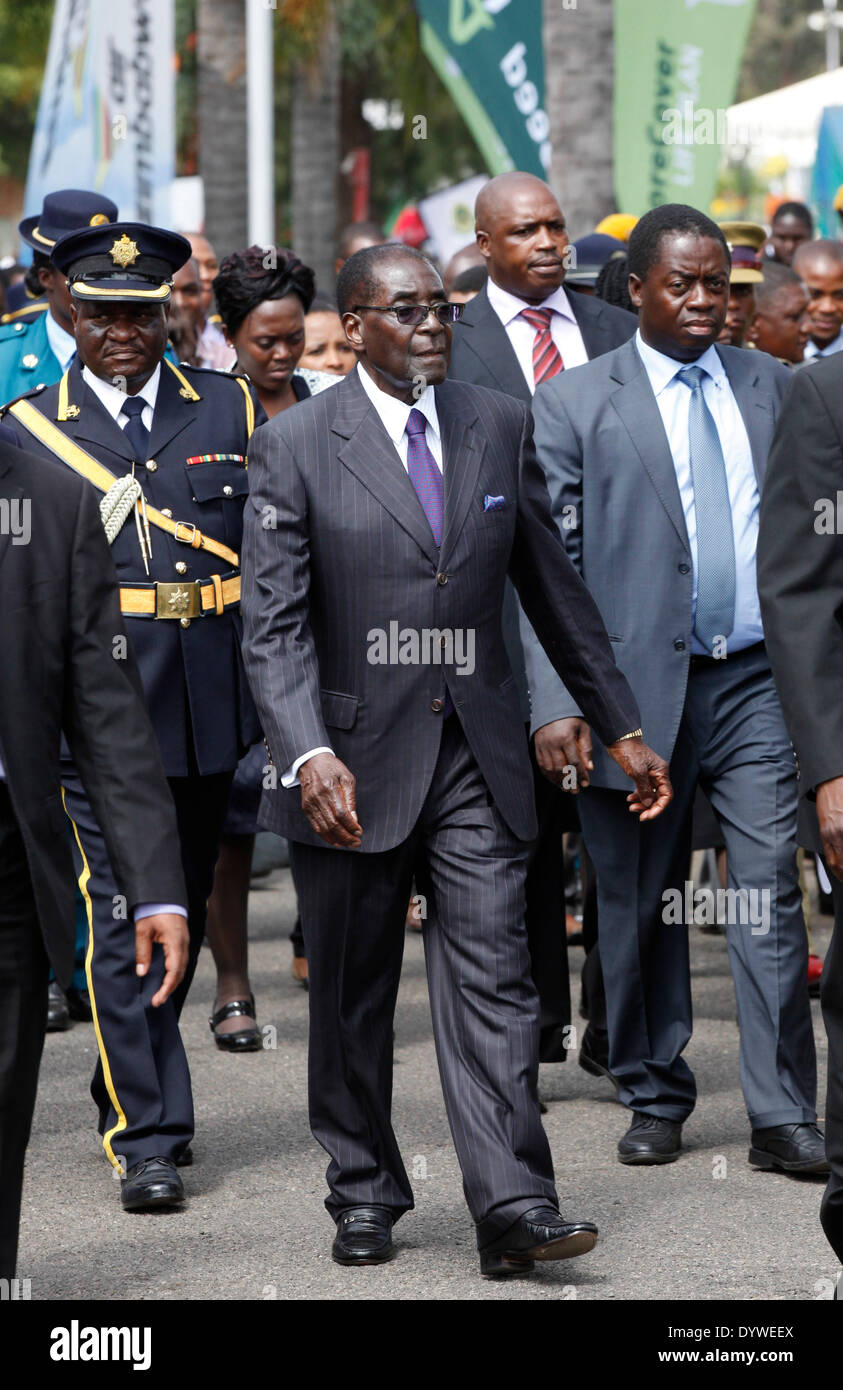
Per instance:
{"type": "Point", "coordinates": [636, 733]}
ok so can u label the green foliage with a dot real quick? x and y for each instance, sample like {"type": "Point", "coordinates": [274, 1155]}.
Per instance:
{"type": "Point", "coordinates": [24, 36]}
{"type": "Point", "coordinates": [781, 48]}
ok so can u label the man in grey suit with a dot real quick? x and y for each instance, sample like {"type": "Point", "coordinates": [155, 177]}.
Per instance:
{"type": "Point", "coordinates": [382, 521]}
{"type": "Point", "coordinates": [655, 458]}
{"type": "Point", "coordinates": [521, 330]}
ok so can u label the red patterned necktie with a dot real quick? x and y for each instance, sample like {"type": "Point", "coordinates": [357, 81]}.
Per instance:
{"type": "Point", "coordinates": [547, 360]}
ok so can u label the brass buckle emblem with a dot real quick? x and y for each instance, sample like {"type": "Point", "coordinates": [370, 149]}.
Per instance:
{"type": "Point", "coordinates": [178, 600]}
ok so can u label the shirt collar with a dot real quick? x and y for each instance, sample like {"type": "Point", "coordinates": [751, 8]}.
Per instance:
{"type": "Point", "coordinates": [508, 306]}
{"type": "Point", "coordinates": [811, 349]}
{"type": "Point", "coordinates": [113, 398]}
{"type": "Point", "coordinates": [62, 343]}
{"type": "Point", "coordinates": [662, 370]}
{"type": "Point", "coordinates": [394, 414]}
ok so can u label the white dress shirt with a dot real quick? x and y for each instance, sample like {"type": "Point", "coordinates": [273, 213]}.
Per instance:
{"type": "Point", "coordinates": [113, 398]}
{"type": "Point", "coordinates": [62, 343]}
{"type": "Point", "coordinates": [836, 345]}
{"type": "Point", "coordinates": [394, 415]}
{"type": "Point", "coordinates": [673, 399]}
{"type": "Point", "coordinates": [564, 329]}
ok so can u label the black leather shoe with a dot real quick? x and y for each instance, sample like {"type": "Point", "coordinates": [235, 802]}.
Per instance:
{"type": "Point", "coordinates": [552, 1042]}
{"type": "Point", "coordinates": [792, 1148]}
{"type": "Point", "coordinates": [594, 1055]}
{"type": "Point", "coordinates": [79, 1005]}
{"type": "Point", "coordinates": [650, 1139]}
{"type": "Point", "coordinates": [185, 1158]}
{"type": "Point", "coordinates": [364, 1236]}
{"type": "Point", "coordinates": [58, 1014]}
{"type": "Point", "coordinates": [540, 1234]}
{"type": "Point", "coordinates": [152, 1183]}
{"type": "Point", "coordinates": [247, 1039]}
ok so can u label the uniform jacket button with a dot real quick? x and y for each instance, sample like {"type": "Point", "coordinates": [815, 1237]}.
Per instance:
{"type": "Point", "coordinates": [165, 511]}
{"type": "Point", "coordinates": [151, 466]}
{"type": "Point", "coordinates": [185, 622]}
{"type": "Point", "coordinates": [437, 706]}
{"type": "Point", "coordinates": [181, 567]}
{"type": "Point", "coordinates": [228, 490]}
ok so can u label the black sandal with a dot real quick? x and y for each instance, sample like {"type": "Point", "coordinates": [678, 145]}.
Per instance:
{"type": "Point", "coordinates": [246, 1041]}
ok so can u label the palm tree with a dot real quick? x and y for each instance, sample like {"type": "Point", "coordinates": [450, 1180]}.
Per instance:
{"type": "Point", "coordinates": [579, 71]}
{"type": "Point", "coordinates": [223, 132]}
{"type": "Point", "coordinates": [315, 153]}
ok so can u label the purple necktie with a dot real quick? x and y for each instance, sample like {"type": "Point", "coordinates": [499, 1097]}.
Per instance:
{"type": "Point", "coordinates": [424, 474]}
{"type": "Point", "coordinates": [427, 480]}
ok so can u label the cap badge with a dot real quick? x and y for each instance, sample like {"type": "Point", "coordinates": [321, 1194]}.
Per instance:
{"type": "Point", "coordinates": [99, 219]}
{"type": "Point", "coordinates": [124, 251]}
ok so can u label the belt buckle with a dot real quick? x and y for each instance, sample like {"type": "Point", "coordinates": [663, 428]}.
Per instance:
{"type": "Point", "coordinates": [182, 600]}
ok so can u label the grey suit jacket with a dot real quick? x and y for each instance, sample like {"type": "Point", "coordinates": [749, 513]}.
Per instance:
{"type": "Point", "coordinates": [338, 549]}
{"type": "Point", "coordinates": [615, 499]}
{"type": "Point", "coordinates": [483, 354]}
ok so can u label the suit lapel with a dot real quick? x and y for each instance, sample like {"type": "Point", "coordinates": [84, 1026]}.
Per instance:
{"type": "Point", "coordinates": [481, 330]}
{"type": "Point", "coordinates": [172, 412]}
{"type": "Point", "coordinates": [591, 321]}
{"type": "Point", "coordinates": [636, 406]}
{"type": "Point", "coordinates": [462, 453]}
{"type": "Point", "coordinates": [93, 424]}
{"type": "Point", "coordinates": [754, 403]}
{"type": "Point", "coordinates": [368, 452]}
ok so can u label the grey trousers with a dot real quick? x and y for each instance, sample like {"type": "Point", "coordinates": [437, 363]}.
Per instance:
{"type": "Point", "coordinates": [732, 738]}
{"type": "Point", "coordinates": [484, 1006]}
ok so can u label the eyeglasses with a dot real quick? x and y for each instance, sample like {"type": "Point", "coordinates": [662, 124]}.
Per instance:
{"type": "Point", "coordinates": [414, 314]}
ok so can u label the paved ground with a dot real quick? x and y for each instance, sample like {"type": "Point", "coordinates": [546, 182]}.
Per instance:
{"type": "Point", "coordinates": [706, 1227]}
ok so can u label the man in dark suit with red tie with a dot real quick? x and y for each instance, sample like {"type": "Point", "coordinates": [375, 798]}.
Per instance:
{"type": "Point", "coordinates": [521, 330]}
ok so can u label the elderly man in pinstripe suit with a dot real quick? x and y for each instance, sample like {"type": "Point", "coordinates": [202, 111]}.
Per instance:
{"type": "Point", "coordinates": [383, 519]}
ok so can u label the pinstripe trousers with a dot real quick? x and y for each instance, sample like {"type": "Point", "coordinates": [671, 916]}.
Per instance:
{"type": "Point", "coordinates": [484, 1007]}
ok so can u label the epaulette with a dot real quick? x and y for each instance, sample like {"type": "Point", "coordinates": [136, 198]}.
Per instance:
{"type": "Point", "coordinates": [24, 396]}
{"type": "Point", "coordinates": [14, 330]}
{"type": "Point", "coordinates": [214, 371]}
{"type": "Point", "coordinates": [28, 313]}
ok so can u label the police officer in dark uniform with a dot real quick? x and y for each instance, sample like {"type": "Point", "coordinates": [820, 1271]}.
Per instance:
{"type": "Point", "coordinates": [165, 447]}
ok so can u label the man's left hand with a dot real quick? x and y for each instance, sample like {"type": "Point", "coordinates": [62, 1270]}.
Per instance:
{"type": "Point", "coordinates": [650, 774]}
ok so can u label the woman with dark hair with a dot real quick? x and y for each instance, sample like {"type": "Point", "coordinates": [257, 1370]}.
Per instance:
{"type": "Point", "coordinates": [262, 295]}
{"type": "Point", "coordinates": [613, 283]}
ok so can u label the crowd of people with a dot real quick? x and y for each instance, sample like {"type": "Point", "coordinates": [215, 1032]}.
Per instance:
{"type": "Point", "coordinates": [563, 456]}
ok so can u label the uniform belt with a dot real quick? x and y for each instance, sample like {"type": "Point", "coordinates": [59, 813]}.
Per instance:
{"type": "Point", "coordinates": [194, 598]}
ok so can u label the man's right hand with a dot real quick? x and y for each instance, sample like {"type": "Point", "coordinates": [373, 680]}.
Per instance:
{"type": "Point", "coordinates": [561, 745]}
{"type": "Point", "coordinates": [328, 800]}
{"type": "Point", "coordinates": [169, 929]}
{"type": "Point", "coordinates": [653, 790]}
{"type": "Point", "coordinates": [830, 817]}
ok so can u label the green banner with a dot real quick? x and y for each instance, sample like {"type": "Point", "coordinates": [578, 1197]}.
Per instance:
{"type": "Point", "coordinates": [488, 54]}
{"type": "Point", "coordinates": [676, 72]}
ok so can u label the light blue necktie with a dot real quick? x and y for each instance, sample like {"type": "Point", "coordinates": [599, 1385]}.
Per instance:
{"type": "Point", "coordinates": [715, 612]}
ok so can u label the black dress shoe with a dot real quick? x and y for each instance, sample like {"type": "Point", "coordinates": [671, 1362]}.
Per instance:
{"type": "Point", "coordinates": [594, 1055]}
{"type": "Point", "coordinates": [650, 1139]}
{"type": "Point", "coordinates": [152, 1183]}
{"type": "Point", "coordinates": [79, 1005]}
{"type": "Point", "coordinates": [246, 1039]}
{"type": "Point", "coordinates": [540, 1234]}
{"type": "Point", "coordinates": [792, 1148]}
{"type": "Point", "coordinates": [185, 1158]}
{"type": "Point", "coordinates": [364, 1236]}
{"type": "Point", "coordinates": [58, 1014]}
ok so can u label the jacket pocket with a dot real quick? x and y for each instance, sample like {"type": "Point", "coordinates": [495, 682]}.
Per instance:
{"type": "Point", "coordinates": [214, 482]}
{"type": "Point", "coordinates": [339, 711]}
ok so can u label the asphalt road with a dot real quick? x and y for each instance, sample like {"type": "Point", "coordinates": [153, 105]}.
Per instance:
{"type": "Point", "coordinates": [254, 1226]}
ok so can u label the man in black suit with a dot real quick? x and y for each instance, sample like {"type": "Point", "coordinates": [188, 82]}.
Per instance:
{"type": "Point", "coordinates": [67, 669]}
{"type": "Point", "coordinates": [383, 518]}
{"type": "Point", "coordinates": [521, 234]}
{"type": "Point", "coordinates": [800, 584]}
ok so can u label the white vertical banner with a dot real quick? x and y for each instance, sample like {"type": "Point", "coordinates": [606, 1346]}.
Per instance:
{"type": "Point", "coordinates": [106, 115]}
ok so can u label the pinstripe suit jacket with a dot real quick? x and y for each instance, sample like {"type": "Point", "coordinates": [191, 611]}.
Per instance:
{"type": "Point", "coordinates": [337, 548]}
